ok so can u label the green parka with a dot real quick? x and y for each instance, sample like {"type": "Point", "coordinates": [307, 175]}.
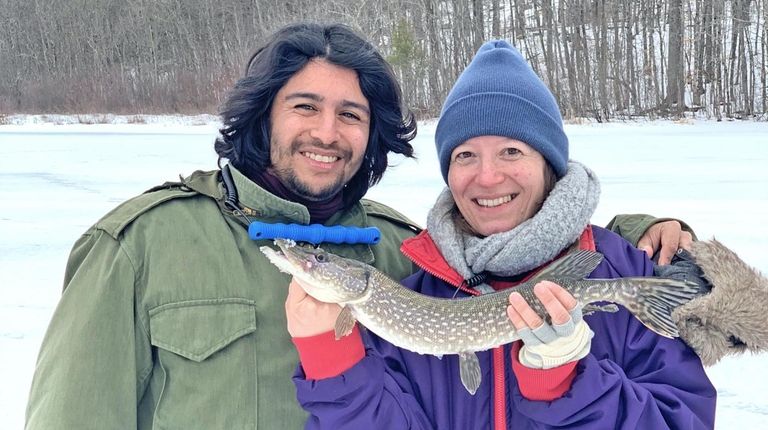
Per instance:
{"type": "Point", "coordinates": [171, 317]}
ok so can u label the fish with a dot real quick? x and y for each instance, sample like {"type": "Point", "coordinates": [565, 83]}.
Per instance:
{"type": "Point", "coordinates": [463, 326]}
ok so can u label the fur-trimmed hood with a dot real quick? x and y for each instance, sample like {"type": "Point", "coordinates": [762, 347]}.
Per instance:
{"type": "Point", "coordinates": [733, 317]}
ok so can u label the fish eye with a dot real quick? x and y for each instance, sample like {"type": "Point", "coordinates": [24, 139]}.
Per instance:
{"type": "Point", "coordinates": [321, 258]}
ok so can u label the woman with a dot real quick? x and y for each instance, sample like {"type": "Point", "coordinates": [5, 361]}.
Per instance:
{"type": "Point", "coordinates": [513, 204]}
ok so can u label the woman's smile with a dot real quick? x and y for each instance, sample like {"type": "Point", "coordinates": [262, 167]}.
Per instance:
{"type": "Point", "coordinates": [496, 182]}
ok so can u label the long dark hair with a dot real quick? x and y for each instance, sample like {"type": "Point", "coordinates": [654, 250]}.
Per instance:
{"type": "Point", "coordinates": [245, 135]}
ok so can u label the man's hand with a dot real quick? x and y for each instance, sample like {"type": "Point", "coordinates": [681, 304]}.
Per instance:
{"type": "Point", "coordinates": [668, 235]}
{"type": "Point", "coordinates": [307, 316]}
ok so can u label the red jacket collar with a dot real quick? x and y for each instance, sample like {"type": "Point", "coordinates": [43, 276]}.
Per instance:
{"type": "Point", "coordinates": [421, 249]}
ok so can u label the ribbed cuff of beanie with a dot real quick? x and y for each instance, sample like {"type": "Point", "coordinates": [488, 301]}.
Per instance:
{"type": "Point", "coordinates": [323, 356]}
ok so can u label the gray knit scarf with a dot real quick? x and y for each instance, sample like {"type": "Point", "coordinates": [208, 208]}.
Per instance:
{"type": "Point", "coordinates": [562, 218]}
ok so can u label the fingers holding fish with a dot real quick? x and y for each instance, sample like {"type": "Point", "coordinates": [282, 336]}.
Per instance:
{"type": "Point", "coordinates": [521, 314]}
{"type": "Point", "coordinates": [567, 338]}
{"type": "Point", "coordinates": [556, 300]}
{"type": "Point", "coordinates": [307, 316]}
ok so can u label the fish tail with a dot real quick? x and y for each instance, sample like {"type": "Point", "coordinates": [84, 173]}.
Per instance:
{"type": "Point", "coordinates": [654, 299]}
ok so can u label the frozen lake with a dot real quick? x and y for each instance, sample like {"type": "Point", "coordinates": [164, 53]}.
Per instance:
{"type": "Point", "coordinates": [55, 181]}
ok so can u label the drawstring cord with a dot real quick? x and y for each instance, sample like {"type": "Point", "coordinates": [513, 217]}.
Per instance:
{"type": "Point", "coordinates": [231, 200]}
{"type": "Point", "coordinates": [471, 282]}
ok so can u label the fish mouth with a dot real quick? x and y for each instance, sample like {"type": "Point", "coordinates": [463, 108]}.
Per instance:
{"type": "Point", "coordinates": [289, 258]}
{"type": "Point", "coordinates": [284, 258]}
{"type": "Point", "coordinates": [285, 245]}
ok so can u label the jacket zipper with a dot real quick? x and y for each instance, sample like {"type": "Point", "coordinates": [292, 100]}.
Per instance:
{"type": "Point", "coordinates": [586, 241]}
{"type": "Point", "coordinates": [499, 377]}
{"type": "Point", "coordinates": [499, 389]}
{"type": "Point", "coordinates": [438, 275]}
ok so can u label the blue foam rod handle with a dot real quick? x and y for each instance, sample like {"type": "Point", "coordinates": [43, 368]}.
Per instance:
{"type": "Point", "coordinates": [314, 233]}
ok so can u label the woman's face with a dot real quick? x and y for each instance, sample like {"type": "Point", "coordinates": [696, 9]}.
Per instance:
{"type": "Point", "coordinates": [497, 182]}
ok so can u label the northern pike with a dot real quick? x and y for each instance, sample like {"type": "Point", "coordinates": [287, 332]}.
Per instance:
{"type": "Point", "coordinates": [437, 326]}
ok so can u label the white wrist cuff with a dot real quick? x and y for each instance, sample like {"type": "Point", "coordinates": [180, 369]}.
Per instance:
{"type": "Point", "coordinates": [559, 351]}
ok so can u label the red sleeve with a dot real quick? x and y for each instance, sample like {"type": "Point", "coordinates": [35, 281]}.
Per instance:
{"type": "Point", "coordinates": [542, 384]}
{"type": "Point", "coordinates": [322, 356]}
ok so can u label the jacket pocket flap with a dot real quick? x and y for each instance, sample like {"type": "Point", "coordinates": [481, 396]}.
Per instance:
{"type": "Point", "coordinates": [195, 329]}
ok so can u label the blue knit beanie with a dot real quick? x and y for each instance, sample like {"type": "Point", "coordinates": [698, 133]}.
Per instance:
{"type": "Point", "coordinates": [499, 94]}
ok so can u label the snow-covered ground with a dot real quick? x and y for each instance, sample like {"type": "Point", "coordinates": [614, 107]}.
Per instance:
{"type": "Point", "coordinates": [56, 180]}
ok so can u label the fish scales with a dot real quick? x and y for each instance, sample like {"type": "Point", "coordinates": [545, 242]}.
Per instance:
{"type": "Point", "coordinates": [429, 325]}
{"type": "Point", "coordinates": [436, 326]}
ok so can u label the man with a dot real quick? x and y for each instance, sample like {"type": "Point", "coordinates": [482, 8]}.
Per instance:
{"type": "Point", "coordinates": [171, 317]}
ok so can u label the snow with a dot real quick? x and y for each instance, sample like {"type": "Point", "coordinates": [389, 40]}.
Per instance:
{"type": "Point", "coordinates": [57, 178]}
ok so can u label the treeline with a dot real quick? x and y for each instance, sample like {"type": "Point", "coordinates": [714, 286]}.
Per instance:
{"type": "Point", "coordinates": [602, 59]}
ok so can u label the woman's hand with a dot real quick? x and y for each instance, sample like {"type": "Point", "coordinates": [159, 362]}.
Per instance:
{"type": "Point", "coordinates": [567, 339]}
{"type": "Point", "coordinates": [307, 316]}
{"type": "Point", "coordinates": [556, 300]}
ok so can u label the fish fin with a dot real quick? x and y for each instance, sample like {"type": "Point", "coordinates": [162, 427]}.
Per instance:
{"type": "Point", "coordinates": [345, 322]}
{"type": "Point", "coordinates": [576, 265]}
{"type": "Point", "coordinates": [469, 369]}
{"type": "Point", "coordinates": [657, 298]}
{"type": "Point", "coordinates": [591, 308]}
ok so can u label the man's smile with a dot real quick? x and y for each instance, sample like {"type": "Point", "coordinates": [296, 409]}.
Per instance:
{"type": "Point", "coordinates": [319, 157]}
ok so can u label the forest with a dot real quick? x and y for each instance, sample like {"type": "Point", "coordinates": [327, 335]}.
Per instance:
{"type": "Point", "coordinates": [603, 59]}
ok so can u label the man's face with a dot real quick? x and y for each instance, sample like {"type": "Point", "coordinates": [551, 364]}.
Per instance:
{"type": "Point", "coordinates": [319, 126]}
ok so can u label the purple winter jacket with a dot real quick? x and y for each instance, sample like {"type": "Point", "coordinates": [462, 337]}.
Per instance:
{"type": "Point", "coordinates": [631, 379]}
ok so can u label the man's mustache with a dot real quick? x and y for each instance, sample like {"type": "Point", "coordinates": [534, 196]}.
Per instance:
{"type": "Point", "coordinates": [299, 145]}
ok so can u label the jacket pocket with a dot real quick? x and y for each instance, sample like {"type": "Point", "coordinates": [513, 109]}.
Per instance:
{"type": "Point", "coordinates": [195, 329]}
{"type": "Point", "coordinates": [204, 374]}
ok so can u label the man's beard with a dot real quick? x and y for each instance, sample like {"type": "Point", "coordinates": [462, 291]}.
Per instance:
{"type": "Point", "coordinates": [291, 181]}
{"type": "Point", "coordinates": [295, 185]}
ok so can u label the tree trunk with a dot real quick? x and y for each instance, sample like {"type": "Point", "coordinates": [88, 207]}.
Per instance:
{"type": "Point", "coordinates": [675, 83]}
{"type": "Point", "coordinates": [496, 20]}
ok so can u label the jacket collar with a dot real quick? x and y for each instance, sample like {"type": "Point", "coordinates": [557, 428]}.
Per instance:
{"type": "Point", "coordinates": [267, 207]}
{"type": "Point", "coordinates": [421, 249]}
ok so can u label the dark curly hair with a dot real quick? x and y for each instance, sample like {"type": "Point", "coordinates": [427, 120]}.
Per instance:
{"type": "Point", "coordinates": [245, 135]}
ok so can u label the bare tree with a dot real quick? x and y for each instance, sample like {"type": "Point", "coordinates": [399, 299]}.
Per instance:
{"type": "Point", "coordinates": [675, 85]}
{"type": "Point", "coordinates": [601, 58]}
